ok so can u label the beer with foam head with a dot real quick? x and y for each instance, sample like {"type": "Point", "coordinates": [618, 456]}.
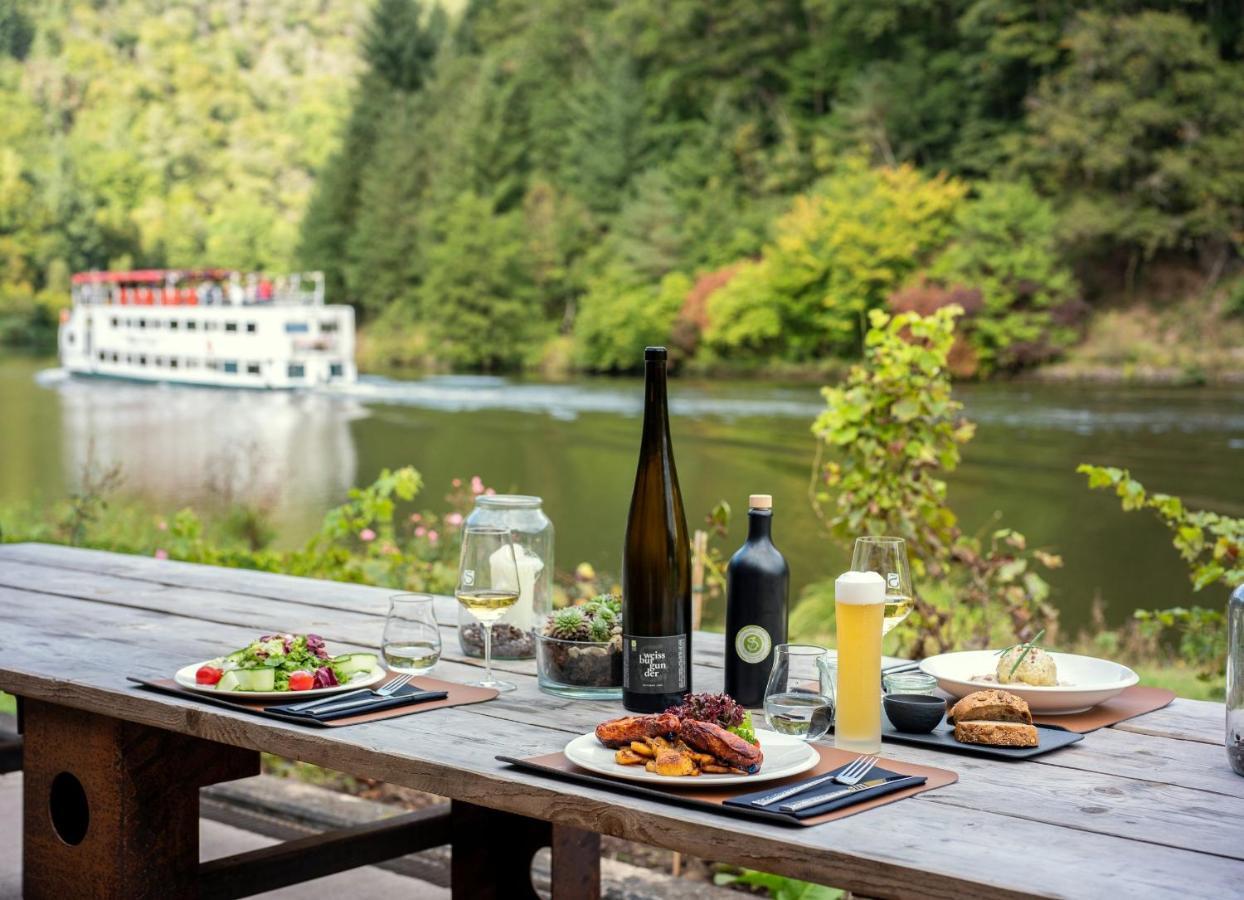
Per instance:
{"type": "Point", "coordinates": [859, 602]}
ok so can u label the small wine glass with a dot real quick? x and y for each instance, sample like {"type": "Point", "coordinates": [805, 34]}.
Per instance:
{"type": "Point", "coordinates": [488, 585]}
{"type": "Point", "coordinates": [799, 698]}
{"type": "Point", "coordinates": [887, 556]}
{"type": "Point", "coordinates": [412, 639]}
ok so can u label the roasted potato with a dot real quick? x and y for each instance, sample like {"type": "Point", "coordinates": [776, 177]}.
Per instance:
{"type": "Point", "coordinates": [628, 757]}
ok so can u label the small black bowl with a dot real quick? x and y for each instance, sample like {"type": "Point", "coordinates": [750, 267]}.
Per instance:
{"type": "Point", "coordinates": [914, 713]}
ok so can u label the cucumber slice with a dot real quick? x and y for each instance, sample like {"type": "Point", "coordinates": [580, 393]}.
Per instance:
{"type": "Point", "coordinates": [351, 663]}
{"type": "Point", "coordinates": [248, 680]}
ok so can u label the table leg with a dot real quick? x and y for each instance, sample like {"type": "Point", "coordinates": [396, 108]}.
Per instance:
{"type": "Point", "coordinates": [111, 808]}
{"type": "Point", "coordinates": [492, 854]}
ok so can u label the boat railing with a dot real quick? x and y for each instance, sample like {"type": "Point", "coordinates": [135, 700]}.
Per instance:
{"type": "Point", "coordinates": [181, 289]}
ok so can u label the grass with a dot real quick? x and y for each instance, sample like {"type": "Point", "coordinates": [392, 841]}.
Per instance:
{"type": "Point", "coordinates": [8, 704]}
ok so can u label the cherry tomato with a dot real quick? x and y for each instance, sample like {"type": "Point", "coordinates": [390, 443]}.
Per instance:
{"type": "Point", "coordinates": [208, 675]}
{"type": "Point", "coordinates": [300, 681]}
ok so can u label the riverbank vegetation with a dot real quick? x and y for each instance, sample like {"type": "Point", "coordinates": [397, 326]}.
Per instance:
{"type": "Point", "coordinates": [552, 184]}
{"type": "Point", "coordinates": [889, 435]}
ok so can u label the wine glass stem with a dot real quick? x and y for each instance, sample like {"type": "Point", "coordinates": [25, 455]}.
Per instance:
{"type": "Point", "coordinates": [487, 651]}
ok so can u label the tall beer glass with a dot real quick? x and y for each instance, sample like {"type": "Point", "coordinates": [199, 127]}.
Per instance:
{"type": "Point", "coordinates": [859, 601]}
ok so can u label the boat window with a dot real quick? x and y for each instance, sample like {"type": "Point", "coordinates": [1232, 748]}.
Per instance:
{"type": "Point", "coordinates": [172, 363]}
{"type": "Point", "coordinates": [191, 325]}
{"type": "Point", "coordinates": [336, 370]}
{"type": "Point", "coordinates": [231, 326]}
{"type": "Point", "coordinates": [209, 326]}
{"type": "Point", "coordinates": [192, 364]}
{"type": "Point", "coordinates": [297, 327]}
{"type": "Point", "coordinates": [251, 327]}
{"type": "Point", "coordinates": [103, 357]}
{"type": "Point", "coordinates": [142, 323]}
{"type": "Point", "coordinates": [173, 324]}
{"type": "Point", "coordinates": [114, 357]}
{"type": "Point", "coordinates": [142, 359]}
{"type": "Point", "coordinates": [252, 368]}
{"type": "Point", "coordinates": [231, 368]}
{"type": "Point", "coordinates": [297, 370]}
{"type": "Point", "coordinates": [328, 325]}
{"type": "Point", "coordinates": [159, 361]}
{"type": "Point", "coordinates": [114, 322]}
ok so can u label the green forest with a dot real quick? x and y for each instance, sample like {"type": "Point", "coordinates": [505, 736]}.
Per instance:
{"type": "Point", "coordinates": [552, 184]}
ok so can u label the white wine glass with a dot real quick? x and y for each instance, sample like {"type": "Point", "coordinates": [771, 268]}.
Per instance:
{"type": "Point", "coordinates": [887, 556]}
{"type": "Point", "coordinates": [488, 585]}
{"type": "Point", "coordinates": [412, 639]}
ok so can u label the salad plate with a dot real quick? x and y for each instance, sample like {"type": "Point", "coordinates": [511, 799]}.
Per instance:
{"type": "Point", "coordinates": [282, 666]}
{"type": "Point", "coordinates": [1082, 681]}
{"type": "Point", "coordinates": [785, 755]}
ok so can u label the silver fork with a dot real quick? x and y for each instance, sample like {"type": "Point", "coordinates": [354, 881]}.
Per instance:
{"type": "Point", "coordinates": [387, 691]}
{"type": "Point", "coordinates": [852, 774]}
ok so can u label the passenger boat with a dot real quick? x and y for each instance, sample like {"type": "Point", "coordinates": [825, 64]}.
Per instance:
{"type": "Point", "coordinates": [208, 327]}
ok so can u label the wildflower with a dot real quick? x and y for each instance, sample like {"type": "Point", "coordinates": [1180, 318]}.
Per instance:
{"type": "Point", "coordinates": [161, 554]}
{"type": "Point", "coordinates": [420, 531]}
{"type": "Point", "coordinates": [477, 485]}
{"type": "Point", "coordinates": [585, 572]}
{"type": "Point", "coordinates": [454, 519]}
{"type": "Point", "coordinates": [416, 517]}
{"type": "Point", "coordinates": [457, 482]}
{"type": "Point", "coordinates": [433, 537]}
{"type": "Point", "coordinates": [367, 535]}
{"type": "Point", "coordinates": [162, 525]}
{"type": "Point", "coordinates": [489, 492]}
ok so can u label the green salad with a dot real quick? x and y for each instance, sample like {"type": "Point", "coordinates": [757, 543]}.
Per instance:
{"type": "Point", "coordinates": [284, 662]}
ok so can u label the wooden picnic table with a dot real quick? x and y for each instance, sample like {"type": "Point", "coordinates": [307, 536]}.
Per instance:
{"type": "Point", "coordinates": [1148, 808]}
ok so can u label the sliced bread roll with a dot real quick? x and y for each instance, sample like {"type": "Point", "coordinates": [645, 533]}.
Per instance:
{"type": "Point", "coordinates": [991, 706]}
{"type": "Point", "coordinates": [996, 734]}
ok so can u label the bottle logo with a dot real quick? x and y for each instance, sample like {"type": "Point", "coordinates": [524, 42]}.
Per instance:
{"type": "Point", "coordinates": [752, 644]}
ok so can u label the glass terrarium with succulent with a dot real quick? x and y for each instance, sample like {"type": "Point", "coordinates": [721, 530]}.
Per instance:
{"type": "Point", "coordinates": [579, 650]}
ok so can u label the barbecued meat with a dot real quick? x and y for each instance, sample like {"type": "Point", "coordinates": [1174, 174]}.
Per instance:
{"type": "Point", "coordinates": [620, 732]}
{"type": "Point", "coordinates": [729, 748]}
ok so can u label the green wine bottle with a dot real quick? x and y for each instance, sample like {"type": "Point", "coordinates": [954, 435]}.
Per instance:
{"type": "Point", "coordinates": [656, 564]}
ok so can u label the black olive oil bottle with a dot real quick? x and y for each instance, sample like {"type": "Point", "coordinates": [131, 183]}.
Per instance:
{"type": "Point", "coordinates": [656, 564]}
{"type": "Point", "coordinates": [757, 590]}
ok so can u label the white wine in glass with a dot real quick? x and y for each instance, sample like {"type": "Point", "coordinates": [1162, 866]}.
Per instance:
{"type": "Point", "coordinates": [488, 585]}
{"type": "Point", "coordinates": [887, 556]}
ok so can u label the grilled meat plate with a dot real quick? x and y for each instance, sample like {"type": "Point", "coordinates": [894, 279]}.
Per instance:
{"type": "Point", "coordinates": [727, 748]}
{"type": "Point", "coordinates": [622, 732]}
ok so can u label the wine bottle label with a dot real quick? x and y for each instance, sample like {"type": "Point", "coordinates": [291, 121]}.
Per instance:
{"type": "Point", "coordinates": [752, 644]}
{"type": "Point", "coordinates": [655, 665]}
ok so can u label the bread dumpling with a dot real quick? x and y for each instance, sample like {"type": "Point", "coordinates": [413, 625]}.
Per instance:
{"type": "Point", "coordinates": [1037, 668]}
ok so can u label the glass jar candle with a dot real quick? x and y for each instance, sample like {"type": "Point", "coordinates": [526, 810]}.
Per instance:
{"type": "Point", "coordinates": [533, 549]}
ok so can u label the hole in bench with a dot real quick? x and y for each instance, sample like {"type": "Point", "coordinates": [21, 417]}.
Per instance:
{"type": "Point", "coordinates": [71, 814]}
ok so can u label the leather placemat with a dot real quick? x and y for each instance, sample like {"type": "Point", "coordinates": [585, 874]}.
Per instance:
{"type": "Point", "coordinates": [458, 695]}
{"type": "Point", "coordinates": [714, 799]}
{"type": "Point", "coordinates": [1128, 704]}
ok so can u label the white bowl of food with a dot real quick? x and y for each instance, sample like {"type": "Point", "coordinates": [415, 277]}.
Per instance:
{"type": "Point", "coordinates": [1065, 682]}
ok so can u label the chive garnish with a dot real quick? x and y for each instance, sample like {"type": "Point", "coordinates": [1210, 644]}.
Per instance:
{"type": "Point", "coordinates": [1027, 647]}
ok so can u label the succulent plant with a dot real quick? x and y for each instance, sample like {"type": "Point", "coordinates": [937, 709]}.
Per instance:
{"type": "Point", "coordinates": [568, 625]}
{"type": "Point", "coordinates": [599, 620]}
{"type": "Point", "coordinates": [601, 630]}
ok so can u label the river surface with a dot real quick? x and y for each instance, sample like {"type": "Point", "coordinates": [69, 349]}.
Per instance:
{"type": "Point", "coordinates": [575, 445]}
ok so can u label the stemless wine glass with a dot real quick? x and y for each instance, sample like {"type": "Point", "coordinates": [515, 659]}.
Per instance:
{"type": "Point", "coordinates": [412, 640]}
{"type": "Point", "coordinates": [887, 556]}
{"type": "Point", "coordinates": [799, 698]}
{"type": "Point", "coordinates": [487, 585]}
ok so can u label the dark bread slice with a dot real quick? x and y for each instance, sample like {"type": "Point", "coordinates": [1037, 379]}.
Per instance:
{"type": "Point", "coordinates": [996, 734]}
{"type": "Point", "coordinates": [991, 706]}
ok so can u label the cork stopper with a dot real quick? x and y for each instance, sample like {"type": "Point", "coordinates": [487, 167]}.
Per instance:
{"type": "Point", "coordinates": [760, 501]}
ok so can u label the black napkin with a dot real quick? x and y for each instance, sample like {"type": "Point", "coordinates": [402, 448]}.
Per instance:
{"type": "Point", "coordinates": [407, 696]}
{"type": "Point", "coordinates": [900, 783]}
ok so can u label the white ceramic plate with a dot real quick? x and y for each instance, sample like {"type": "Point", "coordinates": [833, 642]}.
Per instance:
{"type": "Point", "coordinates": [784, 755]}
{"type": "Point", "coordinates": [185, 678]}
{"type": "Point", "coordinates": [1083, 681]}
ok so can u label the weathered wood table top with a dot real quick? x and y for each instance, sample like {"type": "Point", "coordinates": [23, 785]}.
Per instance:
{"type": "Point", "coordinates": [1148, 808]}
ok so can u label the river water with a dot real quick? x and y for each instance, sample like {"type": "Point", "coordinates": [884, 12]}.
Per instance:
{"type": "Point", "coordinates": [575, 444]}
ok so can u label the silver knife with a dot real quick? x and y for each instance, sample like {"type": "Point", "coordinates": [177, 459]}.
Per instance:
{"type": "Point", "coordinates": [834, 795]}
{"type": "Point", "coordinates": [324, 701]}
{"type": "Point", "coordinates": [770, 799]}
{"type": "Point", "coordinates": [365, 701]}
